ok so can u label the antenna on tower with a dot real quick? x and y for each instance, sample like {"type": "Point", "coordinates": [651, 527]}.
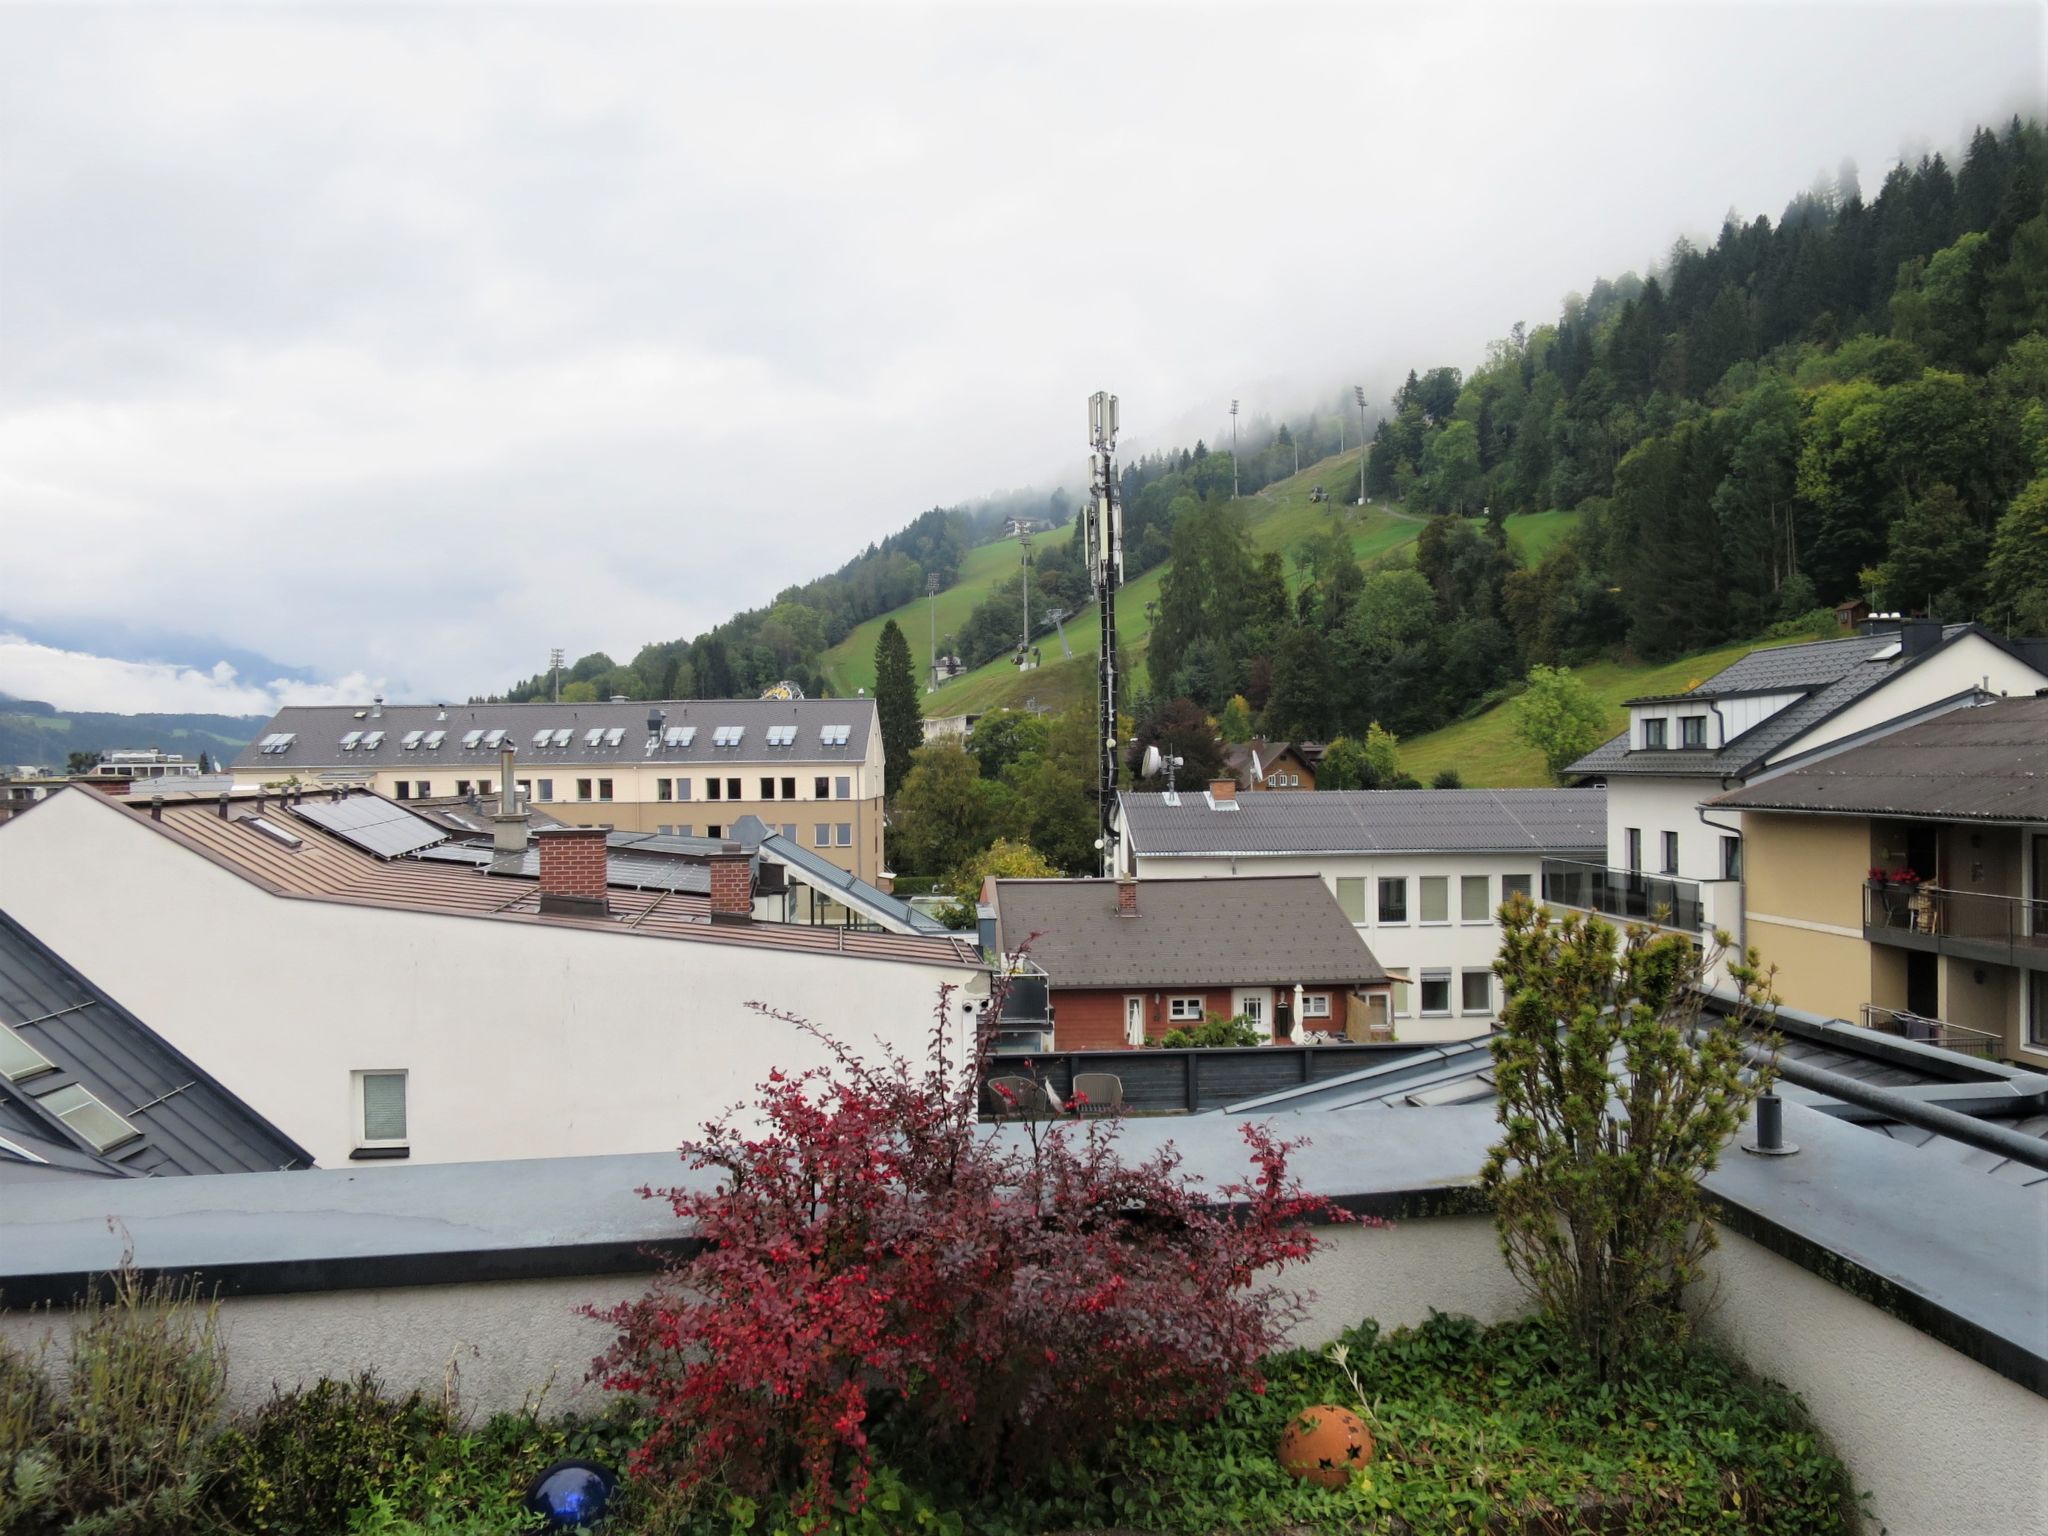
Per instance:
{"type": "Point", "coordinates": [1106, 565]}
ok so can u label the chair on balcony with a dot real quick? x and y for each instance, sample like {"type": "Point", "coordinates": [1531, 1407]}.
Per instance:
{"type": "Point", "coordinates": [1097, 1093]}
{"type": "Point", "coordinates": [1021, 1096]}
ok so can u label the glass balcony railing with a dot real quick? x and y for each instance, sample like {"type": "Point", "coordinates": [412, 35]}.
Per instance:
{"type": "Point", "coordinates": [1624, 893]}
{"type": "Point", "coordinates": [1964, 918]}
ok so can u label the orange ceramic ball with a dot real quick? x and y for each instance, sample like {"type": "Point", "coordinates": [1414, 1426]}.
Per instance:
{"type": "Point", "coordinates": [1325, 1444]}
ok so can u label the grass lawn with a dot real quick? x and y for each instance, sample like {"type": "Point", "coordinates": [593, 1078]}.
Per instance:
{"type": "Point", "coordinates": [1536, 534]}
{"type": "Point", "coordinates": [1488, 754]}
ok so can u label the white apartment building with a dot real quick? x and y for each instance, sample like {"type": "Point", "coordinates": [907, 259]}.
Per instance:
{"type": "Point", "coordinates": [810, 769]}
{"type": "Point", "coordinates": [1670, 856]}
{"type": "Point", "coordinates": [1420, 873]}
{"type": "Point", "coordinates": [377, 1006]}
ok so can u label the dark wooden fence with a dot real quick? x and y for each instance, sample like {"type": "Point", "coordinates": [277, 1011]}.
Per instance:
{"type": "Point", "coordinates": [1188, 1080]}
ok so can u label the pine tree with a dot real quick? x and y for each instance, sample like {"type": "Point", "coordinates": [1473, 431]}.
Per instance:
{"type": "Point", "coordinates": [897, 703]}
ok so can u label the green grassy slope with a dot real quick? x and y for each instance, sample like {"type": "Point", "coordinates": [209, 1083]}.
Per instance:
{"type": "Point", "coordinates": [1488, 754]}
{"type": "Point", "coordinates": [1279, 518]}
{"type": "Point", "coordinates": [1536, 534]}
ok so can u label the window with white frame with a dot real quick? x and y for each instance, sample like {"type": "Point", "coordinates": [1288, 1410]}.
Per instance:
{"type": "Point", "coordinates": [1510, 884]}
{"type": "Point", "coordinates": [1436, 992]}
{"type": "Point", "coordinates": [1436, 898]}
{"type": "Point", "coordinates": [1731, 858]}
{"type": "Point", "coordinates": [380, 1109]}
{"type": "Point", "coordinates": [1184, 1009]}
{"type": "Point", "coordinates": [1393, 899]}
{"type": "Point", "coordinates": [845, 834]}
{"type": "Point", "coordinates": [1253, 1008]}
{"type": "Point", "coordinates": [1315, 1005]}
{"type": "Point", "coordinates": [682, 789]}
{"type": "Point", "coordinates": [1351, 897]}
{"type": "Point", "coordinates": [1475, 992]}
{"type": "Point", "coordinates": [1473, 905]}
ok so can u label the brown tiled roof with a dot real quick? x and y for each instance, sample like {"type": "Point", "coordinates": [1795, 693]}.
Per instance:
{"type": "Point", "coordinates": [324, 868]}
{"type": "Point", "coordinates": [1251, 931]}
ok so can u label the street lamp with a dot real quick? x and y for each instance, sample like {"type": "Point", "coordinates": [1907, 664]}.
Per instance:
{"type": "Point", "coordinates": [1233, 450]}
{"type": "Point", "coordinates": [1359, 390]}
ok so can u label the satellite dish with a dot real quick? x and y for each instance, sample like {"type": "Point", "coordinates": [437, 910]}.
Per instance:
{"type": "Point", "coordinates": [1151, 763]}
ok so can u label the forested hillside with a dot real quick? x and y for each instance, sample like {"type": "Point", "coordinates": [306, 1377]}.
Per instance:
{"type": "Point", "coordinates": [34, 734]}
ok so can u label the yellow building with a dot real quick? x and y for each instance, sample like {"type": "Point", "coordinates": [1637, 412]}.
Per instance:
{"type": "Point", "coordinates": [1903, 882]}
{"type": "Point", "coordinates": [810, 769]}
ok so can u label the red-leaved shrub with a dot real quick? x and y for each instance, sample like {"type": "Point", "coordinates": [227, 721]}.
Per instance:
{"type": "Point", "coordinates": [875, 1256]}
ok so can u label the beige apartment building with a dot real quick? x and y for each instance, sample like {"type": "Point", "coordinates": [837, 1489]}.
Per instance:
{"type": "Point", "coordinates": [1903, 883]}
{"type": "Point", "coordinates": [810, 769]}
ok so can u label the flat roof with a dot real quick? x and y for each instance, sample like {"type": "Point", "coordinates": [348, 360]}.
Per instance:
{"type": "Point", "coordinates": [1563, 822]}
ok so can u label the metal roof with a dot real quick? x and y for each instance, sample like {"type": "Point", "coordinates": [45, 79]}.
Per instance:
{"type": "Point", "coordinates": [1984, 764]}
{"type": "Point", "coordinates": [821, 873]}
{"type": "Point", "coordinates": [1257, 931]}
{"type": "Point", "coordinates": [624, 868]}
{"type": "Point", "coordinates": [1831, 674]}
{"type": "Point", "coordinates": [318, 730]}
{"type": "Point", "coordinates": [1563, 822]}
{"type": "Point", "coordinates": [186, 1122]}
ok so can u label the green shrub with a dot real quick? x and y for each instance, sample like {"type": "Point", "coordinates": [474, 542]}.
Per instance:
{"type": "Point", "coordinates": [29, 1479]}
{"type": "Point", "coordinates": [1213, 1031]}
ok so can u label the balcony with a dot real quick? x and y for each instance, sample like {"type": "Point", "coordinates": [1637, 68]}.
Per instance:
{"type": "Point", "coordinates": [1023, 1024]}
{"type": "Point", "coordinates": [1972, 925]}
{"type": "Point", "coordinates": [1950, 1037]}
{"type": "Point", "coordinates": [1627, 894]}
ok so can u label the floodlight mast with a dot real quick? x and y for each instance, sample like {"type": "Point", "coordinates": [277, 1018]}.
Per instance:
{"type": "Point", "coordinates": [1106, 561]}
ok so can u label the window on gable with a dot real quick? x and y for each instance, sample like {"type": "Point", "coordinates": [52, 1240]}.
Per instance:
{"type": "Point", "coordinates": [1655, 734]}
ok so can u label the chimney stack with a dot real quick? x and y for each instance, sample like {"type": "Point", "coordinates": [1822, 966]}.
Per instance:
{"type": "Point", "coordinates": [1221, 790]}
{"type": "Point", "coordinates": [1126, 895]}
{"type": "Point", "coordinates": [732, 885]}
{"type": "Point", "coordinates": [1919, 636]}
{"type": "Point", "coordinates": [508, 826]}
{"type": "Point", "coordinates": [223, 805]}
{"type": "Point", "coordinates": [573, 869]}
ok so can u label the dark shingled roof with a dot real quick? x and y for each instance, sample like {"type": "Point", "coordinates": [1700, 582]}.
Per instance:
{"type": "Point", "coordinates": [1264, 931]}
{"type": "Point", "coordinates": [319, 728]}
{"type": "Point", "coordinates": [188, 1123]}
{"type": "Point", "coordinates": [1568, 823]}
{"type": "Point", "coordinates": [1983, 764]}
{"type": "Point", "coordinates": [1831, 674]}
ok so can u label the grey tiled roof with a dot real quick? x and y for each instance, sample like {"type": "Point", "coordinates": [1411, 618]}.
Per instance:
{"type": "Point", "coordinates": [1832, 674]}
{"type": "Point", "coordinates": [1266, 931]}
{"type": "Point", "coordinates": [188, 1122]}
{"type": "Point", "coordinates": [1563, 822]}
{"type": "Point", "coordinates": [318, 730]}
{"type": "Point", "coordinates": [1988, 763]}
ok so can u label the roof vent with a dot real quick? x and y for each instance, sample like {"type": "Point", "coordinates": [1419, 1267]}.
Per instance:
{"type": "Point", "coordinates": [377, 707]}
{"type": "Point", "coordinates": [620, 698]}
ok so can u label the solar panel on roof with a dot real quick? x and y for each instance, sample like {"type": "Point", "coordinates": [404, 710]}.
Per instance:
{"type": "Point", "coordinates": [375, 826]}
{"type": "Point", "coordinates": [471, 738]}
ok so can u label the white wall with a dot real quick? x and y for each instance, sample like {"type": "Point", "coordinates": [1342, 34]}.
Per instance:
{"type": "Point", "coordinates": [1657, 805]}
{"type": "Point", "coordinates": [1968, 663]}
{"type": "Point", "coordinates": [1408, 948]}
{"type": "Point", "coordinates": [1942, 1443]}
{"type": "Point", "coordinates": [519, 1039]}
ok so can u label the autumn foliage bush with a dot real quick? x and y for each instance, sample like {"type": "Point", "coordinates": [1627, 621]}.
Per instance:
{"type": "Point", "coordinates": [877, 1263]}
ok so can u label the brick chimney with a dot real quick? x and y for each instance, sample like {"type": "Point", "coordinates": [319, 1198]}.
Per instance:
{"type": "Point", "coordinates": [732, 885]}
{"type": "Point", "coordinates": [1126, 895]}
{"type": "Point", "coordinates": [573, 865]}
{"type": "Point", "coordinates": [1222, 789]}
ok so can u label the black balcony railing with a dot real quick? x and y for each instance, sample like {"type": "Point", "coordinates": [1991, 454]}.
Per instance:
{"type": "Point", "coordinates": [1950, 1037]}
{"type": "Point", "coordinates": [1623, 893]}
{"type": "Point", "coordinates": [1968, 921]}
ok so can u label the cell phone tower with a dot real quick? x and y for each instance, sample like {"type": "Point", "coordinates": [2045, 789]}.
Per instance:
{"type": "Point", "coordinates": [1106, 563]}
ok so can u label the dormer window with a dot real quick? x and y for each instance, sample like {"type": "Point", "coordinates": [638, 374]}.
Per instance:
{"type": "Point", "coordinates": [1692, 730]}
{"type": "Point", "coordinates": [1656, 735]}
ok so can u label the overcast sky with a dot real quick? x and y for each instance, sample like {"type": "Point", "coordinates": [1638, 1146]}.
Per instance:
{"type": "Point", "coordinates": [401, 344]}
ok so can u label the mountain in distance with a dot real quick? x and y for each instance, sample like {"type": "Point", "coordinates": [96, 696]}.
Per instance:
{"type": "Point", "coordinates": [37, 735]}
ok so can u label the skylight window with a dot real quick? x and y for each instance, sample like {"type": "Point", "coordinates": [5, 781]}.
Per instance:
{"type": "Point", "coordinates": [542, 738]}
{"type": "Point", "coordinates": [593, 736]}
{"type": "Point", "coordinates": [411, 740]}
{"type": "Point", "coordinates": [835, 735]}
{"type": "Point", "coordinates": [562, 736]}
{"type": "Point", "coordinates": [89, 1117]}
{"type": "Point", "coordinates": [471, 738]}
{"type": "Point", "coordinates": [728, 735]}
{"type": "Point", "coordinates": [614, 736]}
{"type": "Point", "coordinates": [348, 742]}
{"type": "Point", "coordinates": [680, 735]}
{"type": "Point", "coordinates": [494, 740]}
{"type": "Point", "coordinates": [372, 740]}
{"type": "Point", "coordinates": [781, 735]}
{"type": "Point", "coordinates": [276, 742]}
{"type": "Point", "coordinates": [435, 738]}
{"type": "Point", "coordinates": [274, 832]}
{"type": "Point", "coordinates": [19, 1059]}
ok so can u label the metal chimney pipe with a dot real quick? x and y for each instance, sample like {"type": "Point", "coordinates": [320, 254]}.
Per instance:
{"type": "Point", "coordinates": [156, 807]}
{"type": "Point", "coordinates": [508, 787]}
{"type": "Point", "coordinates": [223, 805]}
{"type": "Point", "coordinates": [508, 826]}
